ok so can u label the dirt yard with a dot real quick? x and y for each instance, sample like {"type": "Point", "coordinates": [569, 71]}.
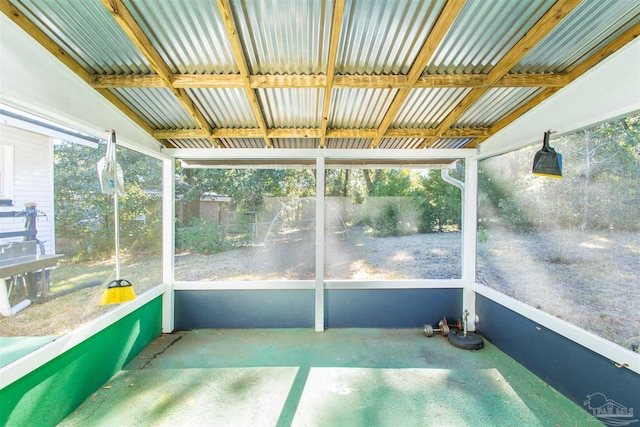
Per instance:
{"type": "Point", "coordinates": [590, 280]}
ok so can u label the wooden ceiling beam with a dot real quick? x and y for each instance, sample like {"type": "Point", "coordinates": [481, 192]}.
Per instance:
{"type": "Point", "coordinates": [316, 133]}
{"type": "Point", "coordinates": [536, 33]}
{"type": "Point", "coordinates": [43, 39]}
{"type": "Point", "coordinates": [288, 81]}
{"type": "Point", "coordinates": [439, 30]}
{"type": "Point", "coordinates": [225, 81]}
{"type": "Point", "coordinates": [59, 53]}
{"type": "Point", "coordinates": [238, 53]}
{"type": "Point", "coordinates": [620, 41]}
{"type": "Point", "coordinates": [180, 134]}
{"type": "Point", "coordinates": [351, 133]}
{"type": "Point", "coordinates": [370, 82]}
{"type": "Point", "coordinates": [127, 22]}
{"type": "Point", "coordinates": [294, 133]}
{"type": "Point", "coordinates": [334, 41]}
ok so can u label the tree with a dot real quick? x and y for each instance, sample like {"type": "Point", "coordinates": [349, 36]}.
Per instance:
{"type": "Point", "coordinates": [84, 216]}
{"type": "Point", "coordinates": [438, 203]}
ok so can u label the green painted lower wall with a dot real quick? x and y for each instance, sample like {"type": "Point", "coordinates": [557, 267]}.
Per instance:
{"type": "Point", "coordinates": [51, 392]}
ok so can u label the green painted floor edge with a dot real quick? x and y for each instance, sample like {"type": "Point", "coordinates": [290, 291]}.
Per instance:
{"type": "Point", "coordinates": [302, 356]}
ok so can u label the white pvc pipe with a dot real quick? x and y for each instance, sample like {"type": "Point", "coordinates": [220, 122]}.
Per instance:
{"type": "Point", "coordinates": [5, 305]}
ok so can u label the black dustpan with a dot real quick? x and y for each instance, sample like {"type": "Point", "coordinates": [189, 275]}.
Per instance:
{"type": "Point", "coordinates": [547, 162]}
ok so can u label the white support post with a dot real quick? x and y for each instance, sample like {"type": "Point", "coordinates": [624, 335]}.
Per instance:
{"type": "Point", "coordinates": [469, 231]}
{"type": "Point", "coordinates": [168, 242]}
{"type": "Point", "coordinates": [319, 284]}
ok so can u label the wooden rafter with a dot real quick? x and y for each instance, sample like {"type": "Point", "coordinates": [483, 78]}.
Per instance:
{"type": "Point", "coordinates": [316, 133]}
{"type": "Point", "coordinates": [59, 53]}
{"type": "Point", "coordinates": [334, 41]}
{"type": "Point", "coordinates": [131, 28]}
{"type": "Point", "coordinates": [241, 62]}
{"type": "Point", "coordinates": [439, 30]}
{"type": "Point", "coordinates": [221, 81]}
{"type": "Point", "coordinates": [586, 65]}
{"type": "Point", "coordinates": [536, 33]}
{"type": "Point", "coordinates": [477, 84]}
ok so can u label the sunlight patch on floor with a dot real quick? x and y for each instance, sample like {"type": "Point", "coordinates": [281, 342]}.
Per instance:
{"type": "Point", "coordinates": [390, 397]}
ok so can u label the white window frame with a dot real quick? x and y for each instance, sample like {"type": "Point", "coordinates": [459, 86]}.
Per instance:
{"type": "Point", "coordinates": [6, 172]}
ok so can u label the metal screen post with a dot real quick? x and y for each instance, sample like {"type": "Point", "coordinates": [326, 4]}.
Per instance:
{"type": "Point", "coordinates": [319, 288]}
{"type": "Point", "coordinates": [469, 231]}
{"type": "Point", "coordinates": [168, 242]}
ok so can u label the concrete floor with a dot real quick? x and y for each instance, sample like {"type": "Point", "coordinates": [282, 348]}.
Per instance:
{"type": "Point", "coordinates": [341, 377]}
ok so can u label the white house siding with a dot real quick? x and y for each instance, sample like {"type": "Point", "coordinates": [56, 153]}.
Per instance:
{"type": "Point", "coordinates": [32, 181]}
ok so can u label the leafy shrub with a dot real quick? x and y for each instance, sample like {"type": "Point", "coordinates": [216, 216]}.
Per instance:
{"type": "Point", "coordinates": [387, 223]}
{"type": "Point", "coordinates": [483, 235]}
{"type": "Point", "coordinates": [203, 237]}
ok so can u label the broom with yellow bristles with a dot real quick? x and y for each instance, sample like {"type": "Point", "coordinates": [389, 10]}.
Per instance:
{"type": "Point", "coordinates": [118, 291]}
{"type": "Point", "coordinates": [112, 182]}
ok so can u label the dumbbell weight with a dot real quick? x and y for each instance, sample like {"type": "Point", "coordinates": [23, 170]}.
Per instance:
{"type": "Point", "coordinates": [443, 329]}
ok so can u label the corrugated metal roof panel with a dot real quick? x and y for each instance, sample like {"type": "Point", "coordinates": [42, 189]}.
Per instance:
{"type": "Point", "coordinates": [284, 36]}
{"type": "Point", "coordinates": [589, 27]}
{"type": "Point", "coordinates": [295, 142]}
{"type": "Point", "coordinates": [291, 108]}
{"type": "Point", "coordinates": [494, 105]}
{"type": "Point", "coordinates": [190, 143]}
{"type": "Point", "coordinates": [348, 143]}
{"type": "Point", "coordinates": [242, 142]}
{"type": "Point", "coordinates": [190, 35]}
{"type": "Point", "coordinates": [359, 108]}
{"type": "Point", "coordinates": [224, 108]}
{"type": "Point", "coordinates": [451, 142]}
{"type": "Point", "coordinates": [401, 143]}
{"type": "Point", "coordinates": [88, 33]}
{"type": "Point", "coordinates": [426, 108]}
{"type": "Point", "coordinates": [145, 103]}
{"type": "Point", "coordinates": [483, 33]}
{"type": "Point", "coordinates": [384, 37]}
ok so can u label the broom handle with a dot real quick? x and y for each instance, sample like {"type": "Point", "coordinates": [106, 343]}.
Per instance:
{"type": "Point", "coordinates": [115, 206]}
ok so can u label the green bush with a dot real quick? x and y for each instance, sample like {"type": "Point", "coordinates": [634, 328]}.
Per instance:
{"type": "Point", "coordinates": [387, 223]}
{"type": "Point", "coordinates": [203, 237]}
{"type": "Point", "coordinates": [483, 235]}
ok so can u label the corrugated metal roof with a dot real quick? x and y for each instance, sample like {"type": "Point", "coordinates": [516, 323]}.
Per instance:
{"type": "Point", "coordinates": [348, 143]}
{"type": "Point", "coordinates": [384, 37]}
{"type": "Point", "coordinates": [224, 108]}
{"type": "Point", "coordinates": [588, 28]}
{"type": "Point", "coordinates": [494, 105]}
{"type": "Point", "coordinates": [242, 142]}
{"type": "Point", "coordinates": [451, 143]}
{"type": "Point", "coordinates": [88, 33]}
{"type": "Point", "coordinates": [401, 143]}
{"type": "Point", "coordinates": [483, 33]}
{"type": "Point", "coordinates": [359, 108]}
{"type": "Point", "coordinates": [291, 108]}
{"type": "Point", "coordinates": [145, 103]}
{"type": "Point", "coordinates": [190, 143]}
{"type": "Point", "coordinates": [284, 36]}
{"type": "Point", "coordinates": [379, 41]}
{"type": "Point", "coordinates": [190, 35]}
{"type": "Point", "coordinates": [425, 108]}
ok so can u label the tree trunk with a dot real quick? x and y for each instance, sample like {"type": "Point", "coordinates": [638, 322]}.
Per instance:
{"type": "Point", "coordinates": [368, 181]}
